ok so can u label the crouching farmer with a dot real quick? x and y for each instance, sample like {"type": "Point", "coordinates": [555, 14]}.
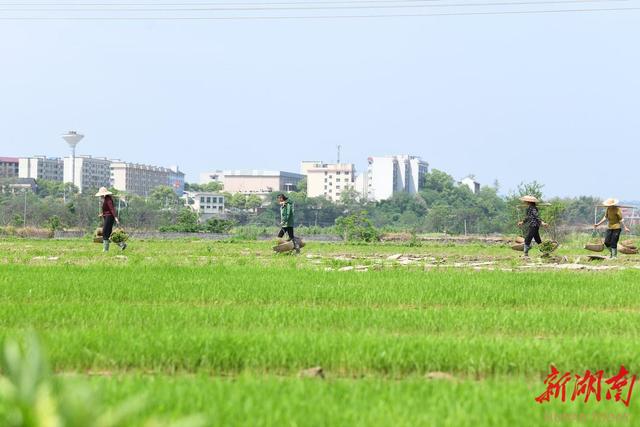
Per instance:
{"type": "Point", "coordinates": [286, 221]}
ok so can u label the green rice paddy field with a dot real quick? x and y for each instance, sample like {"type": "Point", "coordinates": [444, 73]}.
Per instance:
{"type": "Point", "coordinates": [224, 329]}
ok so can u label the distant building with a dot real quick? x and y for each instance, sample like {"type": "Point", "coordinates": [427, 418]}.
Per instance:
{"type": "Point", "coordinates": [328, 180]}
{"type": "Point", "coordinates": [362, 185]}
{"type": "Point", "coordinates": [41, 167]}
{"type": "Point", "coordinates": [142, 179]}
{"type": "Point", "coordinates": [90, 173]}
{"type": "Point", "coordinates": [473, 185]}
{"type": "Point", "coordinates": [208, 177]}
{"type": "Point", "coordinates": [259, 182]}
{"type": "Point", "coordinates": [389, 175]}
{"type": "Point", "coordinates": [206, 204]}
{"type": "Point", "coordinates": [176, 180]}
{"type": "Point", "coordinates": [9, 167]}
{"type": "Point", "coordinates": [305, 165]}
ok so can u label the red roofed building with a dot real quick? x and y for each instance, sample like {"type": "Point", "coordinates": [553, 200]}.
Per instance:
{"type": "Point", "coordinates": [9, 167]}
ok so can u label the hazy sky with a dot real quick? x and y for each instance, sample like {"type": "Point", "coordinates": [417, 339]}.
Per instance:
{"type": "Point", "coordinates": [555, 97]}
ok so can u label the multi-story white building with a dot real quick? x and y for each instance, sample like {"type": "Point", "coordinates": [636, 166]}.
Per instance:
{"type": "Point", "coordinates": [259, 182]}
{"type": "Point", "coordinates": [90, 173]}
{"type": "Point", "coordinates": [142, 179]}
{"type": "Point", "coordinates": [9, 167]}
{"type": "Point", "coordinates": [389, 175]}
{"type": "Point", "coordinates": [473, 185]}
{"type": "Point", "coordinates": [328, 180]}
{"type": "Point", "coordinates": [42, 167]}
{"type": "Point", "coordinates": [206, 204]}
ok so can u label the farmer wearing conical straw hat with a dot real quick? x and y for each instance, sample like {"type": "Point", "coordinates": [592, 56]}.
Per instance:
{"type": "Point", "coordinates": [532, 222]}
{"type": "Point", "coordinates": [613, 214]}
{"type": "Point", "coordinates": [108, 214]}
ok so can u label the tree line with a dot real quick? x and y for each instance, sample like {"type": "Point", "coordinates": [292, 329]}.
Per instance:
{"type": "Point", "coordinates": [442, 206]}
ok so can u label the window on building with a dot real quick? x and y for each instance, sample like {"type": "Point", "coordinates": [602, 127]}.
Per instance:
{"type": "Point", "coordinates": [208, 199]}
{"type": "Point", "coordinates": [201, 199]}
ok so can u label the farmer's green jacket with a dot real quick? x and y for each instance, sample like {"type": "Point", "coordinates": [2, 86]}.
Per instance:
{"type": "Point", "coordinates": [286, 214]}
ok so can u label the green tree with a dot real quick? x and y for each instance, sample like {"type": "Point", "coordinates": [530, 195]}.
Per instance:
{"type": "Point", "coordinates": [165, 196]}
{"type": "Point", "coordinates": [357, 227]}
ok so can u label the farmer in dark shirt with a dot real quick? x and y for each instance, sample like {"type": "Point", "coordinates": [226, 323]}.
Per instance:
{"type": "Point", "coordinates": [532, 222]}
{"type": "Point", "coordinates": [286, 221]}
{"type": "Point", "coordinates": [109, 216]}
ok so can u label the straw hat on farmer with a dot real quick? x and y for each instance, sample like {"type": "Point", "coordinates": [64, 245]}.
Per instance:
{"type": "Point", "coordinates": [103, 191]}
{"type": "Point", "coordinates": [529, 199]}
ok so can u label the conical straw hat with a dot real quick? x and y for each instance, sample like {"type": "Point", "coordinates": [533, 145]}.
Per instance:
{"type": "Point", "coordinates": [530, 199]}
{"type": "Point", "coordinates": [610, 202]}
{"type": "Point", "coordinates": [103, 192]}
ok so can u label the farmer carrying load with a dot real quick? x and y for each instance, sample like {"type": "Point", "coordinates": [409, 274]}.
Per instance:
{"type": "Point", "coordinates": [108, 214]}
{"type": "Point", "coordinates": [286, 221]}
{"type": "Point", "coordinates": [532, 222]}
{"type": "Point", "coordinates": [613, 214]}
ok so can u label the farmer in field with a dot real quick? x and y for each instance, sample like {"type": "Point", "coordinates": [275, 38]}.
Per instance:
{"type": "Point", "coordinates": [286, 221]}
{"type": "Point", "coordinates": [613, 214]}
{"type": "Point", "coordinates": [109, 216]}
{"type": "Point", "coordinates": [532, 222]}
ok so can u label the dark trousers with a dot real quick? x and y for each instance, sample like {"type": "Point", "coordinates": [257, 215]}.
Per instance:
{"type": "Point", "coordinates": [611, 238]}
{"type": "Point", "coordinates": [533, 233]}
{"type": "Point", "coordinates": [107, 226]}
{"type": "Point", "coordinates": [288, 230]}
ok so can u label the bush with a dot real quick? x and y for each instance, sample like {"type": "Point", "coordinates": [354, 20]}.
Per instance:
{"type": "Point", "coordinates": [220, 226]}
{"type": "Point", "coordinates": [357, 227]}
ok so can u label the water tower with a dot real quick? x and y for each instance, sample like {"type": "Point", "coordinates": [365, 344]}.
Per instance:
{"type": "Point", "coordinates": [73, 138]}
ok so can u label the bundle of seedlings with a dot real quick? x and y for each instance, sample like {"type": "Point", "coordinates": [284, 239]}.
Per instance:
{"type": "Point", "coordinates": [547, 247]}
{"type": "Point", "coordinates": [518, 244]}
{"type": "Point", "coordinates": [518, 247]}
{"type": "Point", "coordinates": [119, 236]}
{"type": "Point", "coordinates": [596, 243]}
{"type": "Point", "coordinates": [629, 244]}
{"type": "Point", "coordinates": [97, 235]}
{"type": "Point", "coordinates": [628, 248]}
